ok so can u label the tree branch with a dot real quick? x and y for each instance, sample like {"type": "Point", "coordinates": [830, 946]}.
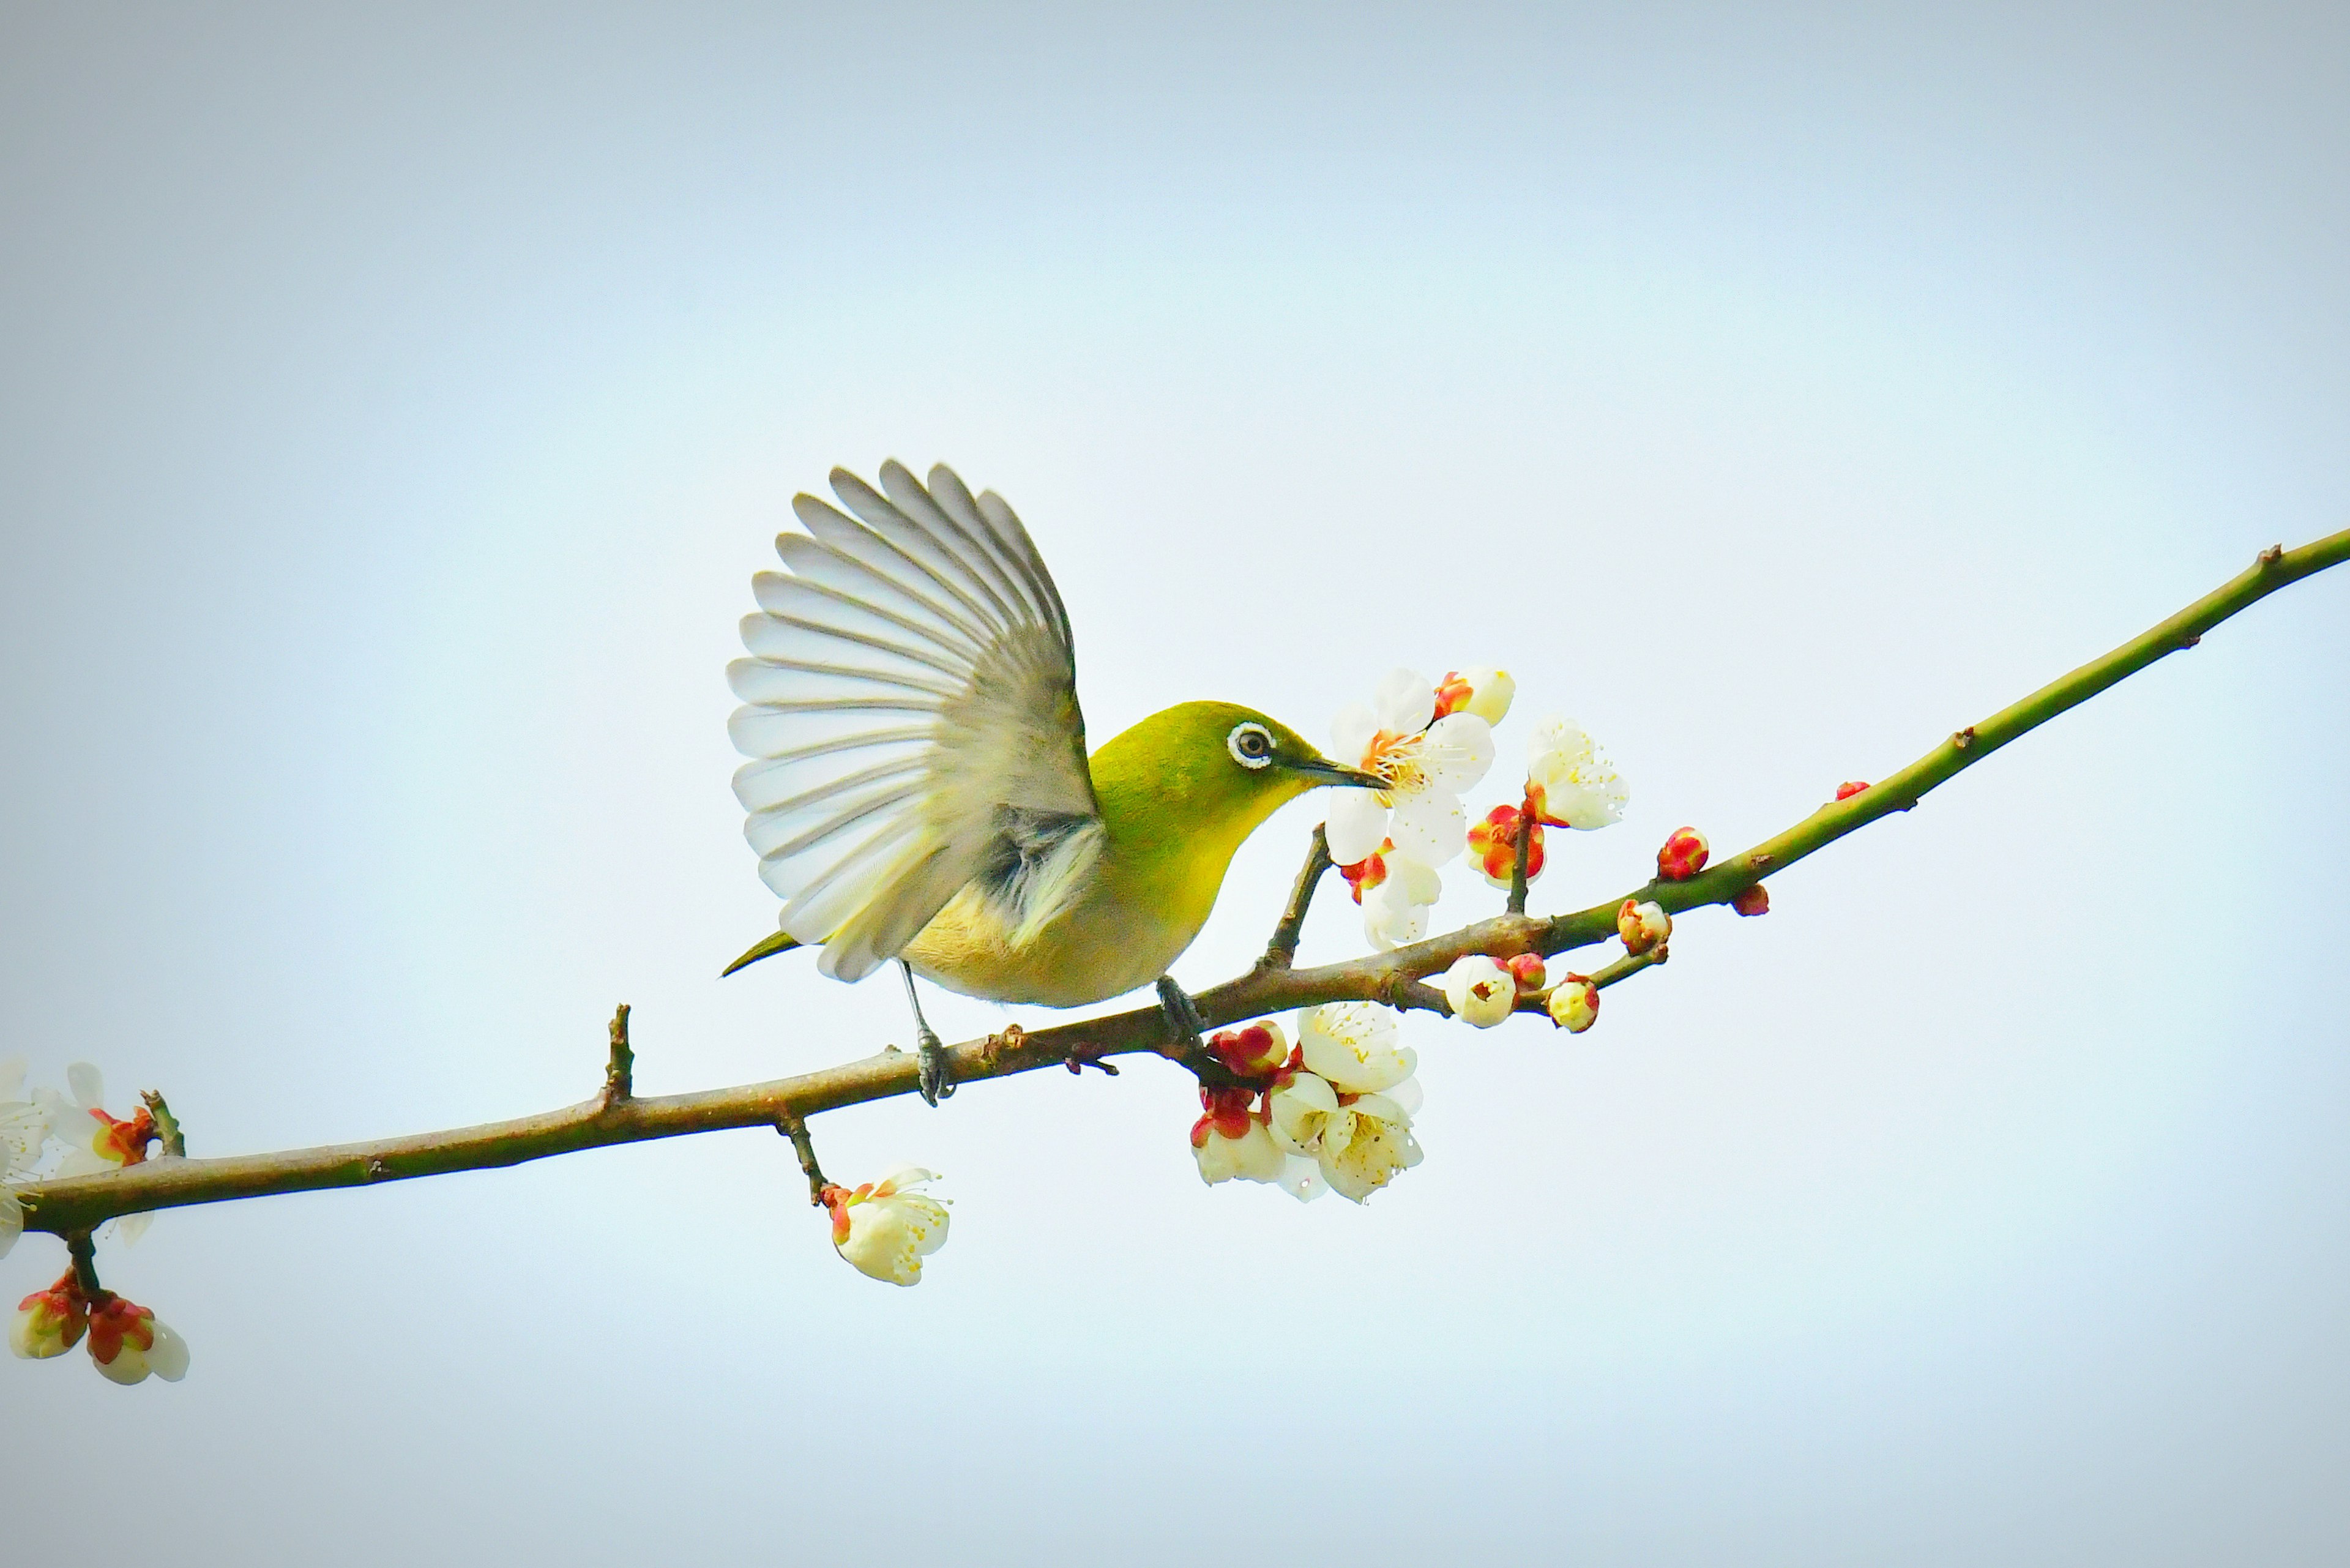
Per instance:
{"type": "Point", "coordinates": [1282, 950]}
{"type": "Point", "coordinates": [71, 1207]}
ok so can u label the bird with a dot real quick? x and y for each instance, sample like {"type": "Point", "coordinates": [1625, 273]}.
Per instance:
{"type": "Point", "coordinates": [918, 790]}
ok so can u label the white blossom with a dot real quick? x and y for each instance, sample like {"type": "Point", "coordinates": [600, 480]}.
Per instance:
{"type": "Point", "coordinates": [1396, 899]}
{"type": "Point", "coordinates": [1575, 784]}
{"type": "Point", "coordinates": [886, 1228]}
{"type": "Point", "coordinates": [1427, 762]}
{"type": "Point", "coordinates": [1481, 992]}
{"type": "Point", "coordinates": [1251, 1157]}
{"type": "Point", "coordinates": [1355, 1045]}
{"type": "Point", "coordinates": [1356, 1142]}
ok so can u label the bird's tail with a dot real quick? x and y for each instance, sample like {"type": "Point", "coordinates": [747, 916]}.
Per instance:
{"type": "Point", "coordinates": [767, 947]}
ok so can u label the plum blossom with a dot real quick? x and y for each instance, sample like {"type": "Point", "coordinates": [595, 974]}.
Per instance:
{"type": "Point", "coordinates": [1481, 992]}
{"type": "Point", "coordinates": [1229, 1141]}
{"type": "Point", "coordinates": [24, 1127]}
{"type": "Point", "coordinates": [1493, 845]}
{"type": "Point", "coordinates": [126, 1342]}
{"type": "Point", "coordinates": [1570, 780]}
{"type": "Point", "coordinates": [1484, 692]}
{"type": "Point", "coordinates": [96, 1142]}
{"type": "Point", "coordinates": [1355, 1142]}
{"type": "Point", "coordinates": [1683, 856]}
{"type": "Point", "coordinates": [1754, 900]}
{"type": "Point", "coordinates": [1642, 925]}
{"type": "Point", "coordinates": [1252, 1051]}
{"type": "Point", "coordinates": [1528, 970]}
{"type": "Point", "coordinates": [49, 1322]}
{"type": "Point", "coordinates": [1427, 762]}
{"type": "Point", "coordinates": [1354, 1046]}
{"type": "Point", "coordinates": [1396, 892]}
{"type": "Point", "coordinates": [1574, 1004]}
{"type": "Point", "coordinates": [885, 1229]}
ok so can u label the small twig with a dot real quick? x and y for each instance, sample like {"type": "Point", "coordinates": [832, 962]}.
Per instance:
{"type": "Point", "coordinates": [1282, 952]}
{"type": "Point", "coordinates": [84, 1253]}
{"type": "Point", "coordinates": [1631, 964]}
{"type": "Point", "coordinates": [795, 1128]}
{"type": "Point", "coordinates": [1526, 831]}
{"type": "Point", "coordinates": [621, 1075]}
{"type": "Point", "coordinates": [167, 1126]}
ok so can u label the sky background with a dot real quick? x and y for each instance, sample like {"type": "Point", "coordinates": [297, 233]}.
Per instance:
{"type": "Point", "coordinates": [394, 406]}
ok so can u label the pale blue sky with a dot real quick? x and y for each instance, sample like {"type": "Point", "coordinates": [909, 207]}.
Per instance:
{"type": "Point", "coordinates": [393, 409]}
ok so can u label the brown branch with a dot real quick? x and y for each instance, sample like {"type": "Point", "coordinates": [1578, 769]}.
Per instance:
{"type": "Point", "coordinates": [1282, 950]}
{"type": "Point", "coordinates": [1528, 825]}
{"type": "Point", "coordinates": [72, 1207]}
{"type": "Point", "coordinates": [795, 1128]}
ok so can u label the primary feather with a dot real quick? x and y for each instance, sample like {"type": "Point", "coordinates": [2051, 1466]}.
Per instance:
{"type": "Point", "coordinates": [911, 708]}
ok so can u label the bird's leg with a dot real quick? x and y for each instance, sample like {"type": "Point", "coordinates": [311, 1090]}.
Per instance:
{"type": "Point", "coordinates": [1181, 1013]}
{"type": "Point", "coordinates": [938, 1068]}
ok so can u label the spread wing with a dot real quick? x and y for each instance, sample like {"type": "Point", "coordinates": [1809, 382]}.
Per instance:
{"type": "Point", "coordinates": [911, 706]}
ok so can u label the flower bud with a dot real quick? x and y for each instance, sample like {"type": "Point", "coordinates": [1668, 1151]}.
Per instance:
{"type": "Point", "coordinates": [1250, 1156]}
{"type": "Point", "coordinates": [1254, 1051]}
{"type": "Point", "coordinates": [1526, 969]}
{"type": "Point", "coordinates": [1574, 1004]}
{"type": "Point", "coordinates": [126, 1342]}
{"type": "Point", "coordinates": [1683, 856]}
{"type": "Point", "coordinates": [1753, 900]}
{"type": "Point", "coordinates": [1493, 845]}
{"type": "Point", "coordinates": [1849, 788]}
{"type": "Point", "coordinates": [1481, 992]}
{"type": "Point", "coordinates": [1484, 692]}
{"type": "Point", "coordinates": [49, 1322]}
{"type": "Point", "coordinates": [1364, 875]}
{"type": "Point", "coordinates": [885, 1229]}
{"type": "Point", "coordinates": [1642, 926]}
{"type": "Point", "coordinates": [1224, 1111]}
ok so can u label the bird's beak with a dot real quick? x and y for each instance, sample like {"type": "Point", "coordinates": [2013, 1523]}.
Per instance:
{"type": "Point", "coordinates": [1323, 771]}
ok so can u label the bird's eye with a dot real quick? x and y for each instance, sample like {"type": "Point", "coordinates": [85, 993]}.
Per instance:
{"type": "Point", "coordinates": [1249, 745]}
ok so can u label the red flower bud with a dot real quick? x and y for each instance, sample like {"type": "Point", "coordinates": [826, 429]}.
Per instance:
{"type": "Point", "coordinates": [1493, 845]}
{"type": "Point", "coordinates": [1683, 856]}
{"type": "Point", "coordinates": [1752, 901]}
{"type": "Point", "coordinates": [1526, 969]}
{"type": "Point", "coordinates": [1849, 788]}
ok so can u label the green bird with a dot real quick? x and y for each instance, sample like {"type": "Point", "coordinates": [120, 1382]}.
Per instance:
{"type": "Point", "coordinates": [920, 789]}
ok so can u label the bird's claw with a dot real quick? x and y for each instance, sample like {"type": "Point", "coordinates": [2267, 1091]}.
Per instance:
{"type": "Point", "coordinates": [1182, 1013]}
{"type": "Point", "coordinates": [937, 1067]}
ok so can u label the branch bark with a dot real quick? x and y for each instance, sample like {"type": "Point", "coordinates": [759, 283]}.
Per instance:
{"type": "Point", "coordinates": [74, 1207]}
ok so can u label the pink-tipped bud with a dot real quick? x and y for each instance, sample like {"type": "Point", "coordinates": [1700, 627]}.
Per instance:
{"type": "Point", "coordinates": [1683, 856]}
{"type": "Point", "coordinates": [1526, 969]}
{"type": "Point", "coordinates": [1753, 900]}
{"type": "Point", "coordinates": [1642, 926]}
{"type": "Point", "coordinates": [1849, 788]}
{"type": "Point", "coordinates": [126, 1342]}
{"type": "Point", "coordinates": [1253, 1050]}
{"type": "Point", "coordinates": [1493, 845]}
{"type": "Point", "coordinates": [49, 1322]}
{"type": "Point", "coordinates": [1227, 1114]}
{"type": "Point", "coordinates": [1484, 692]}
{"type": "Point", "coordinates": [1574, 1005]}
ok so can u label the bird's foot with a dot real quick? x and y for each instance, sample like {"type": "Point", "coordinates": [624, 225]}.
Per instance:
{"type": "Point", "coordinates": [1182, 1014]}
{"type": "Point", "coordinates": [937, 1066]}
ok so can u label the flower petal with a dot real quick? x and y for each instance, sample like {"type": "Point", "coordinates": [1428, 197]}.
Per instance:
{"type": "Point", "coordinates": [88, 1085]}
{"type": "Point", "coordinates": [12, 1220]}
{"type": "Point", "coordinates": [1428, 825]}
{"type": "Point", "coordinates": [168, 1357]}
{"type": "Point", "coordinates": [1302, 1179]}
{"type": "Point", "coordinates": [1356, 825]}
{"type": "Point", "coordinates": [1405, 701]}
{"type": "Point", "coordinates": [1352, 731]}
{"type": "Point", "coordinates": [1458, 753]}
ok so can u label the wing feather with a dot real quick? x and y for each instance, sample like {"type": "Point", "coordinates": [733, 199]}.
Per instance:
{"type": "Point", "coordinates": [911, 708]}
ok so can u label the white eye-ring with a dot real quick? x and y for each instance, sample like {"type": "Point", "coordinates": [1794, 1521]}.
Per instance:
{"type": "Point", "coordinates": [1251, 745]}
